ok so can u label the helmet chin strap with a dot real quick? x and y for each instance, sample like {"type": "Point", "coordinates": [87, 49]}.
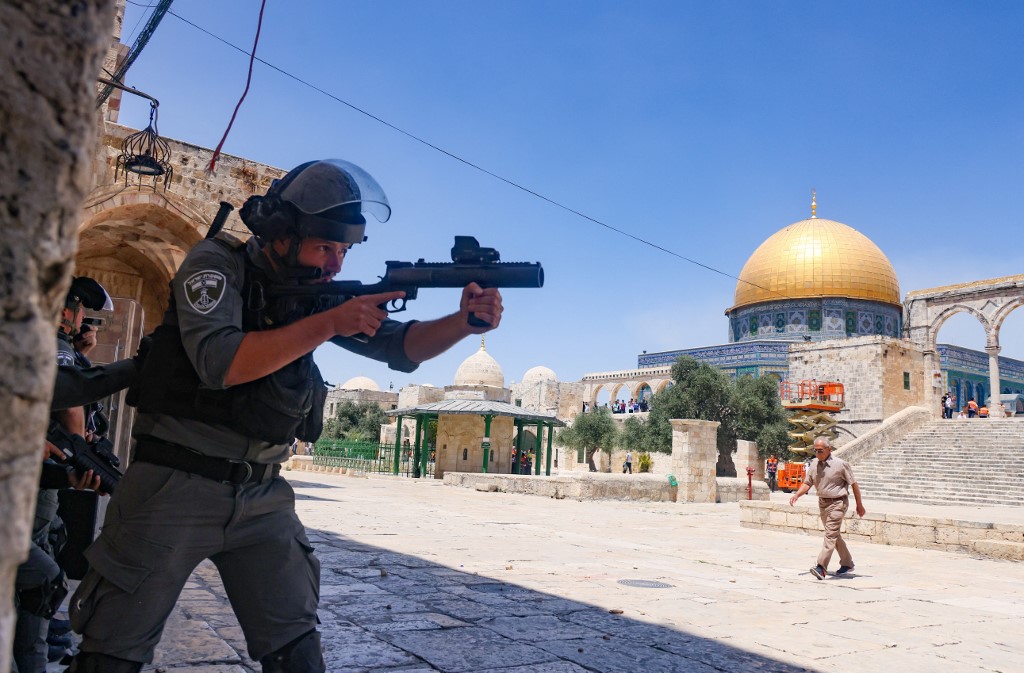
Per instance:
{"type": "Point", "coordinates": [287, 267]}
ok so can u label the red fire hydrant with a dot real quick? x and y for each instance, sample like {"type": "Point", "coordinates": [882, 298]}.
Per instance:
{"type": "Point", "coordinates": [750, 483]}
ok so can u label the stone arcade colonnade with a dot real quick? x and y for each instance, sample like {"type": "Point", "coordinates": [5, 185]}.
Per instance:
{"type": "Point", "coordinates": [634, 380]}
{"type": "Point", "coordinates": [990, 301]}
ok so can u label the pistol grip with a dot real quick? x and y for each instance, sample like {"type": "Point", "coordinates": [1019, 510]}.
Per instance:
{"type": "Point", "coordinates": [477, 322]}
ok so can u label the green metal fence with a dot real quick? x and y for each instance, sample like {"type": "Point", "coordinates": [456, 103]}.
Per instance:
{"type": "Point", "coordinates": [369, 457]}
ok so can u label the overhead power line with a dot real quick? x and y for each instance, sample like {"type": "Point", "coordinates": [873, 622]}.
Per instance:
{"type": "Point", "coordinates": [140, 43]}
{"type": "Point", "coordinates": [473, 165]}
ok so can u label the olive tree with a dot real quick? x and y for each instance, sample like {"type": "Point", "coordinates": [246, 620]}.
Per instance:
{"type": "Point", "coordinates": [589, 433]}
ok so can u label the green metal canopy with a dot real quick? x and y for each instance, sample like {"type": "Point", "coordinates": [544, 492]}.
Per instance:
{"type": "Point", "coordinates": [477, 408]}
{"type": "Point", "coordinates": [488, 409]}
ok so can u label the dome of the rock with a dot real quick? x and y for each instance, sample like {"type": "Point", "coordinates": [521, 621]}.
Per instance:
{"type": "Point", "coordinates": [816, 279]}
{"type": "Point", "coordinates": [817, 258]}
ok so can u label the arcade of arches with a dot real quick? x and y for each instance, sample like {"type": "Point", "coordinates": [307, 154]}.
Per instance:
{"type": "Point", "coordinates": [990, 301]}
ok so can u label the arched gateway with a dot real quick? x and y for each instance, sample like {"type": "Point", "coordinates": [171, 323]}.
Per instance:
{"type": "Point", "coordinates": [990, 301]}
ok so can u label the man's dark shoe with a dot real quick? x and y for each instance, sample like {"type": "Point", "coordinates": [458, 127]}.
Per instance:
{"type": "Point", "coordinates": [55, 653]}
{"type": "Point", "coordinates": [818, 572]}
{"type": "Point", "coordinates": [62, 640]}
{"type": "Point", "coordinates": [844, 569]}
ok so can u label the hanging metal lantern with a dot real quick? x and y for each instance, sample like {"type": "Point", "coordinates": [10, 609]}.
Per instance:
{"type": "Point", "coordinates": [146, 154]}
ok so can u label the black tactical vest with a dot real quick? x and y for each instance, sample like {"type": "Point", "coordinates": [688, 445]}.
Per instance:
{"type": "Point", "coordinates": [277, 408]}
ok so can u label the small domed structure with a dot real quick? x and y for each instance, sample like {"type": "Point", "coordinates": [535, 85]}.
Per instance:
{"type": "Point", "coordinates": [480, 369]}
{"type": "Point", "coordinates": [360, 383]}
{"type": "Point", "coordinates": [535, 375]}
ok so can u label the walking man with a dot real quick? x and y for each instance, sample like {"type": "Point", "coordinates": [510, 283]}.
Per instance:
{"type": "Point", "coordinates": [628, 465]}
{"type": "Point", "coordinates": [832, 477]}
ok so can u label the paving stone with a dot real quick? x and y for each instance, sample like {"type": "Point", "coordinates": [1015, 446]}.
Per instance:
{"type": "Point", "coordinates": [610, 657]}
{"type": "Point", "coordinates": [471, 611]}
{"type": "Point", "coordinates": [193, 641]}
{"type": "Point", "coordinates": [468, 649]}
{"type": "Point", "coordinates": [527, 628]}
{"type": "Point", "coordinates": [362, 651]}
{"type": "Point", "coordinates": [550, 667]}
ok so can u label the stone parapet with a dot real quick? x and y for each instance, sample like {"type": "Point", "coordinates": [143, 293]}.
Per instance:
{"type": "Point", "coordinates": [588, 486]}
{"type": "Point", "coordinates": [734, 489]}
{"type": "Point", "coordinates": [746, 456]}
{"type": "Point", "coordinates": [893, 429]}
{"type": "Point", "coordinates": [1002, 540]}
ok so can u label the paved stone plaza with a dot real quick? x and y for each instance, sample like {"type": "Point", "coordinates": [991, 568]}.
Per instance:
{"type": "Point", "coordinates": [418, 576]}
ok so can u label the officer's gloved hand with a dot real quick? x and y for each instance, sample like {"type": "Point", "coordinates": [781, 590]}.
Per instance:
{"type": "Point", "coordinates": [140, 355]}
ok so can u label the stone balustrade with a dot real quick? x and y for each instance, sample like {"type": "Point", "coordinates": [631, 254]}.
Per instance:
{"type": "Point", "coordinates": [1000, 540]}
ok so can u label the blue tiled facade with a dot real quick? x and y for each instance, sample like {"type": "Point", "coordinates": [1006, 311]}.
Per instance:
{"type": "Point", "coordinates": [814, 320]}
{"type": "Point", "coordinates": [964, 371]}
{"type": "Point", "coordinates": [755, 358]}
{"type": "Point", "coordinates": [965, 374]}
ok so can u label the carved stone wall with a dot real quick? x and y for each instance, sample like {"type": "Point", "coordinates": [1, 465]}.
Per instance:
{"type": "Point", "coordinates": [881, 375]}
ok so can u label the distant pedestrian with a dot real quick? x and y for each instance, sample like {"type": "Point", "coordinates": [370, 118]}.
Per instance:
{"type": "Point", "coordinates": [628, 465]}
{"type": "Point", "coordinates": [772, 469]}
{"type": "Point", "coordinates": [832, 477]}
{"type": "Point", "coordinates": [972, 408]}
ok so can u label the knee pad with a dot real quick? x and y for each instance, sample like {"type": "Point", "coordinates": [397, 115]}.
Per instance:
{"type": "Point", "coordinates": [302, 655]}
{"type": "Point", "coordinates": [43, 600]}
{"type": "Point", "coordinates": [94, 662]}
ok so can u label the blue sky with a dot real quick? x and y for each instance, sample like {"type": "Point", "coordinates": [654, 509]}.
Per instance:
{"type": "Point", "coordinates": [699, 126]}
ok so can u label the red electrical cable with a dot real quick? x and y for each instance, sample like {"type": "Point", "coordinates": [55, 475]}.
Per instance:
{"type": "Point", "coordinates": [252, 59]}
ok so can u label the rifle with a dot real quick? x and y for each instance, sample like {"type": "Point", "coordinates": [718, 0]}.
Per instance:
{"type": "Point", "coordinates": [470, 264]}
{"type": "Point", "coordinates": [83, 456]}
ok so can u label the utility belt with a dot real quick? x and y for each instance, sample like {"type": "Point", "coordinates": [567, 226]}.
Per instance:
{"type": "Point", "coordinates": [224, 470]}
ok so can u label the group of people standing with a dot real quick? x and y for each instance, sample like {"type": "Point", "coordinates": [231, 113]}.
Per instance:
{"type": "Point", "coordinates": [630, 407]}
{"type": "Point", "coordinates": [970, 410]}
{"type": "Point", "coordinates": [622, 406]}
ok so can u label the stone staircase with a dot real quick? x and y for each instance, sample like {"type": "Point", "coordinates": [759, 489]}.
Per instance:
{"type": "Point", "coordinates": [950, 462]}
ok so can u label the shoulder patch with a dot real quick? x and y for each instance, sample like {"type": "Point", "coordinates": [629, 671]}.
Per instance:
{"type": "Point", "coordinates": [204, 290]}
{"type": "Point", "coordinates": [230, 239]}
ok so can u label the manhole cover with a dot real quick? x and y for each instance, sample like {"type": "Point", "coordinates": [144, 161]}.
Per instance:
{"type": "Point", "coordinates": [500, 589]}
{"type": "Point", "coordinates": [645, 584]}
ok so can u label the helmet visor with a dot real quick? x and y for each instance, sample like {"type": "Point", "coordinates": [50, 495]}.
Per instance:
{"type": "Point", "coordinates": [331, 183]}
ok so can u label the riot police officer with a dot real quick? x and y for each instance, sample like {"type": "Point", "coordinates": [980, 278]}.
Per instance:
{"type": "Point", "coordinates": [39, 584]}
{"type": "Point", "coordinates": [229, 382]}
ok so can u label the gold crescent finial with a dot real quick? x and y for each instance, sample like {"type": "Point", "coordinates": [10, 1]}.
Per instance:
{"type": "Point", "coordinates": [814, 203]}
{"type": "Point", "coordinates": [482, 343]}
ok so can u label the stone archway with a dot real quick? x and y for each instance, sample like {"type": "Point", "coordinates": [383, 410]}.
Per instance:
{"type": "Point", "coordinates": [990, 301]}
{"type": "Point", "coordinates": [133, 241]}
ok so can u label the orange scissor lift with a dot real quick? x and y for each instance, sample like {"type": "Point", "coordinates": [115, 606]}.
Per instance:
{"type": "Point", "coordinates": [812, 405]}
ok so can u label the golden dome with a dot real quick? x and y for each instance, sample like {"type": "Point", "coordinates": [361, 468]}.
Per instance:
{"type": "Point", "coordinates": [817, 258]}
